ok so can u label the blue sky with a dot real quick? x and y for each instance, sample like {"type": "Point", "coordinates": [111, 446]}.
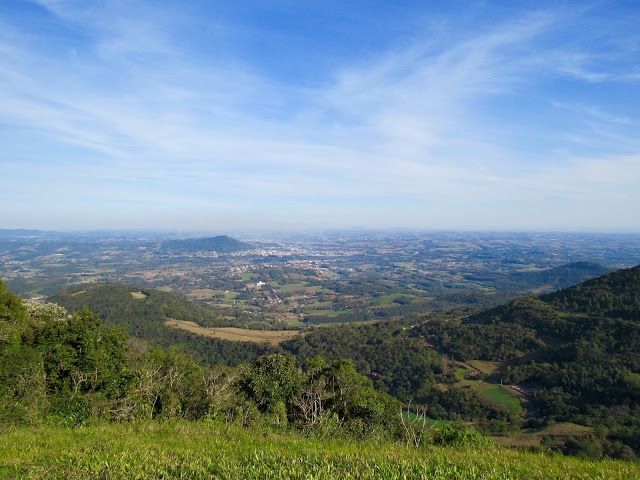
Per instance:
{"type": "Point", "coordinates": [320, 114]}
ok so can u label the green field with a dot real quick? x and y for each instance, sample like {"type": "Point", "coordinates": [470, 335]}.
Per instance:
{"type": "Point", "coordinates": [205, 450]}
{"type": "Point", "coordinates": [293, 287]}
{"type": "Point", "coordinates": [429, 421]}
{"type": "Point", "coordinates": [559, 432]}
{"type": "Point", "coordinates": [505, 398]}
{"type": "Point", "coordinates": [328, 313]}
{"type": "Point", "coordinates": [390, 297]}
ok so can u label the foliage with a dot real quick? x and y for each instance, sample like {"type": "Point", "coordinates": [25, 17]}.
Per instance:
{"type": "Point", "coordinates": [403, 367]}
{"type": "Point", "coordinates": [577, 351]}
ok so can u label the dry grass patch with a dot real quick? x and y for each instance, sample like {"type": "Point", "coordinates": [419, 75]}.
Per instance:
{"type": "Point", "coordinates": [139, 295]}
{"type": "Point", "coordinates": [485, 366]}
{"type": "Point", "coordinates": [78, 293]}
{"type": "Point", "coordinates": [235, 334]}
{"type": "Point", "coordinates": [560, 432]}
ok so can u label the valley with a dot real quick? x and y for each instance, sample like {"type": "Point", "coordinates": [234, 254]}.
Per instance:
{"type": "Point", "coordinates": [321, 279]}
{"type": "Point", "coordinates": [484, 330]}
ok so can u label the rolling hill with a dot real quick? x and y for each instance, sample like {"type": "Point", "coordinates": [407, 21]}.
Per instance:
{"type": "Point", "coordinates": [576, 351]}
{"type": "Point", "coordinates": [140, 311]}
{"type": "Point", "coordinates": [219, 244]}
{"type": "Point", "coordinates": [541, 280]}
{"type": "Point", "coordinates": [143, 312]}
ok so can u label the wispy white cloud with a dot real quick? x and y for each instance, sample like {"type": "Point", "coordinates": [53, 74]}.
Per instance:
{"type": "Point", "coordinates": [159, 124]}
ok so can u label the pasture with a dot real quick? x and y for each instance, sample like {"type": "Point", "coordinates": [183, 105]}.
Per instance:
{"type": "Point", "coordinates": [235, 334]}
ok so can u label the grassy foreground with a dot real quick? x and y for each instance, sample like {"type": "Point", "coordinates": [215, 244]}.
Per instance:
{"type": "Point", "coordinates": [201, 450]}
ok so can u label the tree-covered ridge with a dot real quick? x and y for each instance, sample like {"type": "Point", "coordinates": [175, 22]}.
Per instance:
{"type": "Point", "coordinates": [549, 279]}
{"type": "Point", "coordinates": [219, 244]}
{"type": "Point", "coordinates": [616, 295]}
{"type": "Point", "coordinates": [576, 350]}
{"type": "Point", "coordinates": [399, 365]}
{"type": "Point", "coordinates": [141, 311]}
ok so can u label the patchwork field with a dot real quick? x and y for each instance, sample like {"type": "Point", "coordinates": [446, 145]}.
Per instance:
{"type": "Point", "coordinates": [235, 334]}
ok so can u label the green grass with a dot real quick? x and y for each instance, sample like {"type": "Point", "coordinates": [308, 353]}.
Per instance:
{"type": "Point", "coordinates": [203, 451]}
{"type": "Point", "coordinates": [634, 376]}
{"type": "Point", "coordinates": [336, 324]}
{"type": "Point", "coordinates": [293, 287]}
{"type": "Point", "coordinates": [389, 298]}
{"type": "Point", "coordinates": [429, 421]}
{"type": "Point", "coordinates": [485, 366]}
{"type": "Point", "coordinates": [328, 313]}
{"type": "Point", "coordinates": [505, 398]}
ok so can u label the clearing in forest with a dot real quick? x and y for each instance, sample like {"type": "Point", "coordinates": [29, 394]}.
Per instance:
{"type": "Point", "coordinates": [235, 334]}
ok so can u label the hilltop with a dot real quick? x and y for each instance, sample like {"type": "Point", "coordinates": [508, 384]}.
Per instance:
{"type": "Point", "coordinates": [219, 244]}
{"type": "Point", "coordinates": [140, 311]}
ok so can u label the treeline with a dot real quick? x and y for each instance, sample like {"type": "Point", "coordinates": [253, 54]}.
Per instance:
{"type": "Point", "coordinates": [615, 296]}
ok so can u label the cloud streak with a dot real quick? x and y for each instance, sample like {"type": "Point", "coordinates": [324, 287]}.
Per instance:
{"type": "Point", "coordinates": [446, 120]}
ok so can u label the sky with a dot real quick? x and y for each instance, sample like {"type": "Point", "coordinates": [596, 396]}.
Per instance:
{"type": "Point", "coordinates": [215, 115]}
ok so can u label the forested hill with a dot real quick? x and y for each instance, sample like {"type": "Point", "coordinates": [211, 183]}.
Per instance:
{"type": "Point", "coordinates": [140, 311]}
{"type": "Point", "coordinates": [563, 276]}
{"type": "Point", "coordinates": [578, 349]}
{"type": "Point", "coordinates": [542, 280]}
{"type": "Point", "coordinates": [616, 295]}
{"type": "Point", "coordinates": [219, 244]}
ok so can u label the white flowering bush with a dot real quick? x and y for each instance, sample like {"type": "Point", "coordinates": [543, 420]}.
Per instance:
{"type": "Point", "coordinates": [45, 311]}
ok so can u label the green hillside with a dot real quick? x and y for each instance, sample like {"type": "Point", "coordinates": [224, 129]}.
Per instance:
{"type": "Point", "coordinates": [541, 280]}
{"type": "Point", "coordinates": [577, 365]}
{"type": "Point", "coordinates": [616, 295]}
{"type": "Point", "coordinates": [576, 351]}
{"type": "Point", "coordinates": [142, 313]}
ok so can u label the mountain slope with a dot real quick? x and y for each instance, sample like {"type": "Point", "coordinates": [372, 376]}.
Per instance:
{"type": "Point", "coordinates": [615, 295]}
{"type": "Point", "coordinates": [577, 350]}
{"type": "Point", "coordinates": [541, 280]}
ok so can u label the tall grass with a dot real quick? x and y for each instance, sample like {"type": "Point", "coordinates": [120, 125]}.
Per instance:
{"type": "Point", "coordinates": [184, 450]}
